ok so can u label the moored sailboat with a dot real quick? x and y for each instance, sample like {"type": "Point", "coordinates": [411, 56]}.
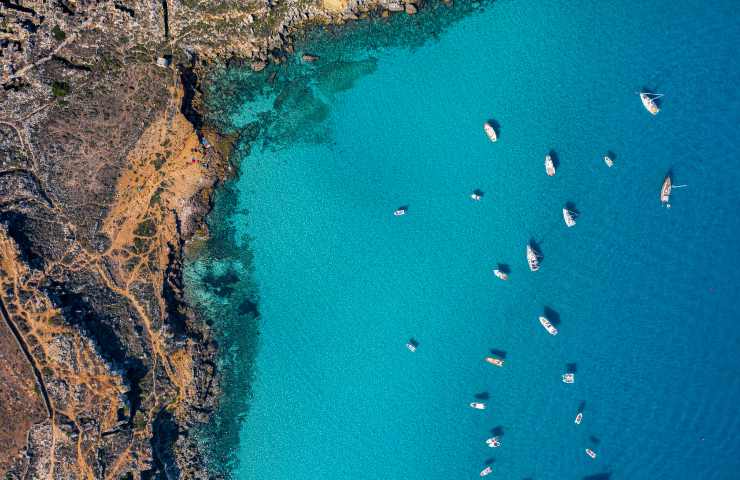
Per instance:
{"type": "Point", "coordinates": [569, 217]}
{"type": "Point", "coordinates": [478, 405]}
{"type": "Point", "coordinates": [608, 160]}
{"type": "Point", "coordinates": [549, 166]}
{"type": "Point", "coordinates": [590, 453]}
{"type": "Point", "coordinates": [490, 131]}
{"type": "Point", "coordinates": [665, 190]}
{"type": "Point", "coordinates": [495, 361]}
{"type": "Point", "coordinates": [579, 418]}
{"type": "Point", "coordinates": [486, 471]}
{"type": "Point", "coordinates": [500, 274]}
{"type": "Point", "coordinates": [649, 102]}
{"type": "Point", "coordinates": [533, 259]}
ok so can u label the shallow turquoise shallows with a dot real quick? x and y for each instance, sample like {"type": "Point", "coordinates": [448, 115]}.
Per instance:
{"type": "Point", "coordinates": [645, 296]}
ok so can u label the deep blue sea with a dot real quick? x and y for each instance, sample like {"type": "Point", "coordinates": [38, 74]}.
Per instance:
{"type": "Point", "coordinates": [645, 296]}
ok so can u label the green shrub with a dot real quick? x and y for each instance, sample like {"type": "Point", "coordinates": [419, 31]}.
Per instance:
{"type": "Point", "coordinates": [58, 33]}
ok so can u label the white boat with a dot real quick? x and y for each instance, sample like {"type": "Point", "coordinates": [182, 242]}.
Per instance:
{"type": "Point", "coordinates": [579, 417]}
{"type": "Point", "coordinates": [665, 190]}
{"type": "Point", "coordinates": [478, 405]}
{"type": "Point", "coordinates": [590, 453]}
{"type": "Point", "coordinates": [476, 196]}
{"type": "Point", "coordinates": [411, 347]}
{"type": "Point", "coordinates": [490, 131]}
{"type": "Point", "coordinates": [548, 326]}
{"type": "Point", "coordinates": [400, 211]}
{"type": "Point", "coordinates": [608, 160]}
{"type": "Point", "coordinates": [532, 258]}
{"type": "Point", "coordinates": [549, 166]}
{"type": "Point", "coordinates": [569, 217]}
{"type": "Point", "coordinates": [486, 471]}
{"type": "Point", "coordinates": [495, 361]}
{"type": "Point", "coordinates": [493, 442]}
{"type": "Point", "coordinates": [569, 378]}
{"type": "Point", "coordinates": [500, 274]}
{"type": "Point", "coordinates": [648, 101]}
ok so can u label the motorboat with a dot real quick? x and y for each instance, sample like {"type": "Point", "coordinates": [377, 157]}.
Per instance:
{"type": "Point", "coordinates": [476, 195]}
{"type": "Point", "coordinates": [400, 211]}
{"type": "Point", "coordinates": [500, 274]}
{"type": "Point", "coordinates": [495, 361]}
{"type": "Point", "coordinates": [609, 161]}
{"type": "Point", "coordinates": [549, 166]}
{"type": "Point", "coordinates": [548, 326]}
{"type": "Point", "coordinates": [490, 131]}
{"type": "Point", "coordinates": [569, 378]}
{"type": "Point", "coordinates": [590, 453]}
{"type": "Point", "coordinates": [478, 405]}
{"type": "Point", "coordinates": [493, 442]}
{"type": "Point", "coordinates": [532, 258]}
{"type": "Point", "coordinates": [579, 418]}
{"type": "Point", "coordinates": [569, 217]}
{"type": "Point", "coordinates": [649, 102]}
{"type": "Point", "coordinates": [486, 471]}
{"type": "Point", "coordinates": [411, 346]}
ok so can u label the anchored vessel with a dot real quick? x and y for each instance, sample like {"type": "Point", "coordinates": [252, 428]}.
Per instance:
{"type": "Point", "coordinates": [476, 195]}
{"type": "Point", "coordinates": [532, 258]}
{"type": "Point", "coordinates": [411, 346]}
{"type": "Point", "coordinates": [493, 442]}
{"type": "Point", "coordinates": [500, 274]}
{"type": "Point", "coordinates": [569, 377]}
{"type": "Point", "coordinates": [495, 361]}
{"type": "Point", "coordinates": [478, 405]}
{"type": "Point", "coordinates": [569, 217]}
{"type": "Point", "coordinates": [579, 417]}
{"type": "Point", "coordinates": [590, 453]}
{"type": "Point", "coordinates": [400, 211]}
{"type": "Point", "coordinates": [665, 190]}
{"type": "Point", "coordinates": [548, 326]}
{"type": "Point", "coordinates": [490, 131]}
{"type": "Point", "coordinates": [549, 166]}
{"type": "Point", "coordinates": [648, 101]}
{"type": "Point", "coordinates": [486, 471]}
{"type": "Point", "coordinates": [608, 160]}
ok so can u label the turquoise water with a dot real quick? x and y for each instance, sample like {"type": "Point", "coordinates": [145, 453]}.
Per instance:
{"type": "Point", "coordinates": [644, 294]}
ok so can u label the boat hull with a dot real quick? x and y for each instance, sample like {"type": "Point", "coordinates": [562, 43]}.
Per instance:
{"type": "Point", "coordinates": [490, 132]}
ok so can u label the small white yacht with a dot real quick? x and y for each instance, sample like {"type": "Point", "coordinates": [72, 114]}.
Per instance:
{"type": "Point", "coordinates": [532, 258]}
{"type": "Point", "coordinates": [400, 211]}
{"type": "Point", "coordinates": [579, 418]}
{"type": "Point", "coordinates": [411, 347]}
{"type": "Point", "coordinates": [490, 131]}
{"type": "Point", "coordinates": [493, 442]}
{"type": "Point", "coordinates": [548, 326]}
{"type": "Point", "coordinates": [486, 471]}
{"type": "Point", "coordinates": [649, 102]}
{"type": "Point", "coordinates": [495, 361]}
{"type": "Point", "coordinates": [569, 217]}
{"type": "Point", "coordinates": [569, 378]}
{"type": "Point", "coordinates": [476, 195]}
{"type": "Point", "coordinates": [609, 161]}
{"type": "Point", "coordinates": [590, 453]}
{"type": "Point", "coordinates": [478, 405]}
{"type": "Point", "coordinates": [500, 274]}
{"type": "Point", "coordinates": [549, 166]}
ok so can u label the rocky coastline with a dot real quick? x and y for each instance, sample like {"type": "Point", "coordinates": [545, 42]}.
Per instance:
{"type": "Point", "coordinates": [107, 170]}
